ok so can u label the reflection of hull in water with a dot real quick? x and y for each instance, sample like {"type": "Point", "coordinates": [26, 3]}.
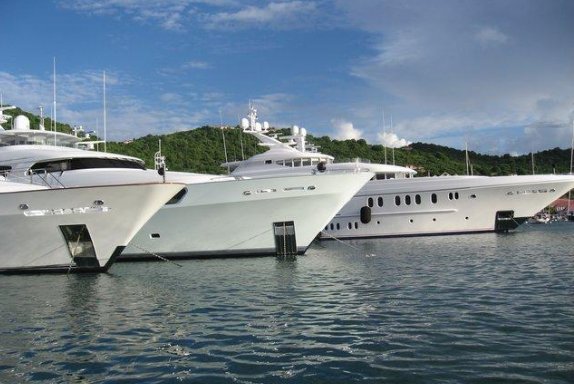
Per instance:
{"type": "Point", "coordinates": [445, 205]}
{"type": "Point", "coordinates": [72, 229]}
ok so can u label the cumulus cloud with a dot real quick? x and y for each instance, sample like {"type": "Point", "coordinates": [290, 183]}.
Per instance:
{"type": "Point", "coordinates": [391, 140]}
{"type": "Point", "coordinates": [344, 130]}
{"type": "Point", "coordinates": [79, 102]}
{"type": "Point", "coordinates": [431, 66]}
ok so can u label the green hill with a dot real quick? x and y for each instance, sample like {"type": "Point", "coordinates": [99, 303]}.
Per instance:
{"type": "Point", "coordinates": [201, 150]}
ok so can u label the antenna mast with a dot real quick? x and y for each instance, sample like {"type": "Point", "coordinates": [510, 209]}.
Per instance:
{"type": "Point", "coordinates": [384, 136]}
{"type": "Point", "coordinates": [55, 125]}
{"type": "Point", "coordinates": [223, 136]}
{"type": "Point", "coordinates": [569, 214]}
{"type": "Point", "coordinates": [105, 115]}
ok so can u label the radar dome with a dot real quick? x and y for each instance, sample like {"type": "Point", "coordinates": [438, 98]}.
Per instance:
{"type": "Point", "coordinates": [265, 125]}
{"type": "Point", "coordinates": [303, 132]}
{"type": "Point", "coordinates": [294, 130]}
{"type": "Point", "coordinates": [258, 126]}
{"type": "Point", "coordinates": [21, 123]}
{"type": "Point", "coordinates": [244, 123]}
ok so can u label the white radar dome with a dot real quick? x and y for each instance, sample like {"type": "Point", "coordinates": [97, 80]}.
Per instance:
{"type": "Point", "coordinates": [244, 123]}
{"type": "Point", "coordinates": [303, 132]}
{"type": "Point", "coordinates": [294, 130]}
{"type": "Point", "coordinates": [258, 126]}
{"type": "Point", "coordinates": [21, 123]}
{"type": "Point", "coordinates": [265, 125]}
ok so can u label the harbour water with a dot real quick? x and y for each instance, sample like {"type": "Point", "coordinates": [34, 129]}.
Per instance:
{"type": "Point", "coordinates": [469, 308]}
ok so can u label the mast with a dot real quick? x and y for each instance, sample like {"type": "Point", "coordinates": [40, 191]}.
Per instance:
{"type": "Point", "coordinates": [54, 121]}
{"type": "Point", "coordinates": [223, 136]}
{"type": "Point", "coordinates": [384, 136]}
{"type": "Point", "coordinates": [569, 213]}
{"type": "Point", "coordinates": [466, 156]}
{"type": "Point", "coordinates": [393, 147]}
{"type": "Point", "coordinates": [105, 115]}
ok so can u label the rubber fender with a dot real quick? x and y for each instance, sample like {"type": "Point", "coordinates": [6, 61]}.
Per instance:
{"type": "Point", "coordinates": [365, 215]}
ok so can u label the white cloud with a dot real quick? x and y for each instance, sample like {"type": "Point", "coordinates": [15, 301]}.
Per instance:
{"type": "Point", "coordinates": [178, 15]}
{"type": "Point", "coordinates": [490, 36]}
{"type": "Point", "coordinates": [196, 65]}
{"type": "Point", "coordinates": [79, 102]}
{"type": "Point", "coordinates": [344, 130]}
{"type": "Point", "coordinates": [274, 14]}
{"type": "Point", "coordinates": [426, 64]}
{"type": "Point", "coordinates": [391, 140]}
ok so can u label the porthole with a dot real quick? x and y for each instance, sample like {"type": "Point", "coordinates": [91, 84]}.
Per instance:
{"type": "Point", "coordinates": [466, 218]}
{"type": "Point", "coordinates": [473, 196]}
{"type": "Point", "coordinates": [332, 226]}
{"type": "Point", "coordinates": [356, 225]}
{"type": "Point", "coordinates": [350, 225]}
{"type": "Point", "coordinates": [380, 201]}
{"type": "Point", "coordinates": [418, 199]}
{"type": "Point", "coordinates": [434, 219]}
{"type": "Point", "coordinates": [450, 195]}
{"type": "Point", "coordinates": [456, 195]}
{"type": "Point", "coordinates": [411, 221]}
{"type": "Point", "coordinates": [434, 198]}
{"type": "Point", "coordinates": [408, 200]}
{"type": "Point", "coordinates": [397, 200]}
{"type": "Point", "coordinates": [338, 226]}
{"type": "Point", "coordinates": [370, 202]}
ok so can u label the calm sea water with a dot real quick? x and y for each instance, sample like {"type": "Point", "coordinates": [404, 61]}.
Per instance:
{"type": "Point", "coordinates": [472, 309]}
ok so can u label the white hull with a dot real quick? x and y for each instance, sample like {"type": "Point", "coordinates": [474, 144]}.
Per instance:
{"type": "Point", "coordinates": [464, 204]}
{"type": "Point", "coordinates": [237, 217]}
{"type": "Point", "coordinates": [33, 222]}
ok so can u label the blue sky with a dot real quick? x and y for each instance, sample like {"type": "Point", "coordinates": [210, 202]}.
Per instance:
{"type": "Point", "coordinates": [497, 74]}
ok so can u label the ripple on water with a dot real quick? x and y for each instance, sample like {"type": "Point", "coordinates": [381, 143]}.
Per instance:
{"type": "Point", "coordinates": [482, 308]}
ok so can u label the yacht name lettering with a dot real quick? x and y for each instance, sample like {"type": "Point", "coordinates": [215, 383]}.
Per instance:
{"type": "Point", "coordinates": [66, 211]}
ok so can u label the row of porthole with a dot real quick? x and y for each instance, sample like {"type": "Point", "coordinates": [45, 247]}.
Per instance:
{"type": "Point", "coordinates": [355, 224]}
{"type": "Point", "coordinates": [407, 200]}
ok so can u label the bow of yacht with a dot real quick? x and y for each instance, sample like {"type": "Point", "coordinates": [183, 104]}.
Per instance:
{"type": "Point", "coordinates": [77, 229]}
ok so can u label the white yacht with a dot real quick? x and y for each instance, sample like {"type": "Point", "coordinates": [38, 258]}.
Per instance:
{"type": "Point", "coordinates": [80, 229]}
{"type": "Point", "coordinates": [213, 215]}
{"type": "Point", "coordinates": [394, 203]}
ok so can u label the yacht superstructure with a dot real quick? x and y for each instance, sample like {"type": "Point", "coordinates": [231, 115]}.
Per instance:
{"type": "Point", "coordinates": [394, 203]}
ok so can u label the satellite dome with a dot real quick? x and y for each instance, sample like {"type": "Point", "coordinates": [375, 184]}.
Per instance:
{"type": "Point", "coordinates": [265, 125]}
{"type": "Point", "coordinates": [258, 126]}
{"type": "Point", "coordinates": [21, 123]}
{"type": "Point", "coordinates": [303, 132]}
{"type": "Point", "coordinates": [244, 123]}
{"type": "Point", "coordinates": [294, 130]}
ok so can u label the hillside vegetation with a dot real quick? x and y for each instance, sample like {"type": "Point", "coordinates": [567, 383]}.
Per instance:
{"type": "Point", "coordinates": [201, 150]}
